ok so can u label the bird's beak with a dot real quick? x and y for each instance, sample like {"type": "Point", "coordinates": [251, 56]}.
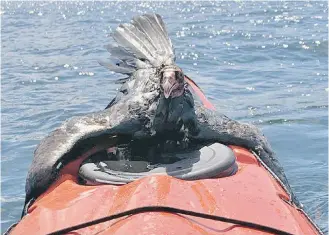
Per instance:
{"type": "Point", "coordinates": [168, 87]}
{"type": "Point", "coordinates": [169, 83]}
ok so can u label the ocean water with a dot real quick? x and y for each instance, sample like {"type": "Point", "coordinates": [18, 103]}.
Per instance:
{"type": "Point", "coordinates": [264, 63]}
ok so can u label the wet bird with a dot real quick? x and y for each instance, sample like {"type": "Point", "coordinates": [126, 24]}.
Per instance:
{"type": "Point", "coordinates": [144, 45]}
{"type": "Point", "coordinates": [176, 104]}
{"type": "Point", "coordinates": [155, 102]}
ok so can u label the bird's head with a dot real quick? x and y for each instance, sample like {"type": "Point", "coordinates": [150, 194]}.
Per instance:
{"type": "Point", "coordinates": [172, 81]}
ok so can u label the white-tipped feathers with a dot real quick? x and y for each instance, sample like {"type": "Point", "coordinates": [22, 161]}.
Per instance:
{"type": "Point", "coordinates": [144, 43]}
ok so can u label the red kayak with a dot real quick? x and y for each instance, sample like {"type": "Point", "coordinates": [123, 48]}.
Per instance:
{"type": "Point", "coordinates": [247, 200]}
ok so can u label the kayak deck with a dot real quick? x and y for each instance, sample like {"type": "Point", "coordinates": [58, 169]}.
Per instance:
{"type": "Point", "coordinates": [251, 195]}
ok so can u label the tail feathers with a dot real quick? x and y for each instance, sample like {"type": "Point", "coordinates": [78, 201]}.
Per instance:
{"type": "Point", "coordinates": [143, 43]}
{"type": "Point", "coordinates": [163, 28]}
{"type": "Point", "coordinates": [133, 44]}
{"type": "Point", "coordinates": [140, 36]}
{"type": "Point", "coordinates": [122, 80]}
{"type": "Point", "coordinates": [119, 52]}
{"type": "Point", "coordinates": [118, 69]}
{"type": "Point", "coordinates": [153, 27]}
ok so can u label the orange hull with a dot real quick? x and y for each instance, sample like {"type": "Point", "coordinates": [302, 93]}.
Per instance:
{"type": "Point", "coordinates": [252, 195]}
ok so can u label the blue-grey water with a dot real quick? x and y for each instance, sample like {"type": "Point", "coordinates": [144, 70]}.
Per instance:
{"type": "Point", "coordinates": [264, 63]}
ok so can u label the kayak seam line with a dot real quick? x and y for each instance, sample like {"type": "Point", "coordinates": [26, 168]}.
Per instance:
{"type": "Point", "coordinates": [171, 210]}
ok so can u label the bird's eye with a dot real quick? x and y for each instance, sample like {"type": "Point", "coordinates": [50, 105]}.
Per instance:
{"type": "Point", "coordinates": [179, 76]}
